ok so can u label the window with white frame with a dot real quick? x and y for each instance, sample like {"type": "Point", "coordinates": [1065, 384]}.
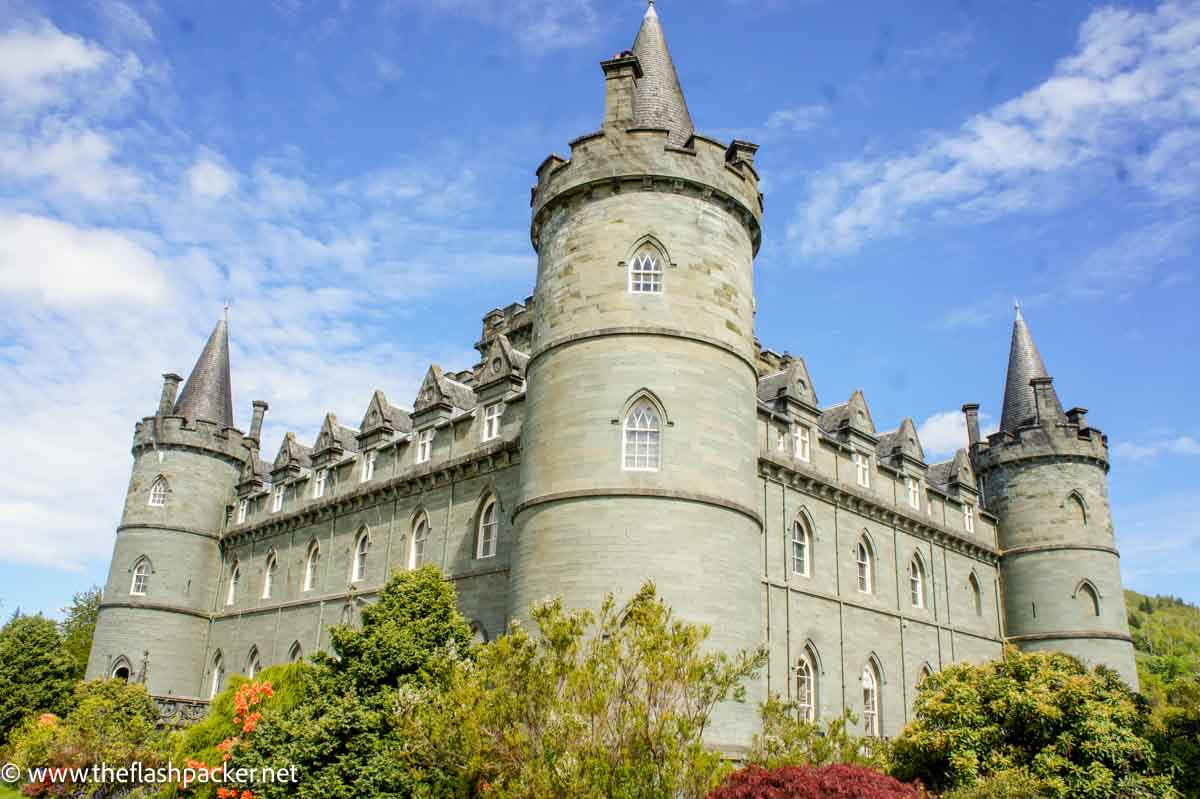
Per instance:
{"type": "Point", "coordinates": [311, 561]}
{"type": "Point", "coordinates": [806, 687]}
{"type": "Point", "coordinates": [801, 548]}
{"type": "Point", "coordinates": [642, 447]}
{"type": "Point", "coordinates": [420, 538]}
{"type": "Point", "coordinates": [424, 446]}
{"type": "Point", "coordinates": [243, 509]}
{"type": "Point", "coordinates": [916, 581]}
{"type": "Point", "coordinates": [862, 469]}
{"type": "Point", "coordinates": [158, 493]}
{"type": "Point", "coordinates": [489, 526]}
{"type": "Point", "coordinates": [253, 663]}
{"type": "Point", "coordinates": [368, 465]}
{"type": "Point", "coordinates": [269, 576]}
{"type": "Point", "coordinates": [491, 421]}
{"type": "Point", "coordinates": [802, 442]}
{"type": "Point", "coordinates": [870, 686]}
{"type": "Point", "coordinates": [968, 517]}
{"type": "Point", "coordinates": [782, 444]}
{"type": "Point", "coordinates": [866, 567]}
{"type": "Point", "coordinates": [361, 549]}
{"type": "Point", "coordinates": [218, 676]}
{"type": "Point", "coordinates": [141, 578]}
{"type": "Point", "coordinates": [319, 479]}
{"type": "Point", "coordinates": [914, 492]}
{"type": "Point", "coordinates": [646, 273]}
{"type": "Point", "coordinates": [277, 499]}
{"type": "Point", "coordinates": [235, 577]}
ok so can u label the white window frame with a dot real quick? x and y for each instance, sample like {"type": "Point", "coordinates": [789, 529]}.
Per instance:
{"type": "Point", "coordinates": [269, 575]}
{"type": "Point", "coordinates": [362, 548]}
{"type": "Point", "coordinates": [420, 539]}
{"type": "Point", "coordinates": [160, 489]}
{"type": "Point", "coordinates": [235, 577]}
{"type": "Point", "coordinates": [141, 578]}
{"type": "Point", "coordinates": [870, 685]}
{"type": "Point", "coordinates": [802, 442]}
{"type": "Point", "coordinates": [916, 582]}
{"type": "Point", "coordinates": [862, 469]}
{"type": "Point", "coordinates": [968, 517]}
{"type": "Point", "coordinates": [218, 676]}
{"type": "Point", "coordinates": [320, 476]}
{"type": "Point", "coordinates": [806, 687]}
{"type": "Point", "coordinates": [646, 273]}
{"type": "Point", "coordinates": [641, 438]}
{"type": "Point", "coordinates": [424, 452]}
{"type": "Point", "coordinates": [242, 509]}
{"type": "Point", "coordinates": [312, 562]}
{"type": "Point", "coordinates": [491, 421]}
{"type": "Point", "coordinates": [801, 549]}
{"type": "Point", "coordinates": [488, 535]}
{"type": "Point", "coordinates": [368, 465]}
{"type": "Point", "coordinates": [277, 499]}
{"type": "Point", "coordinates": [253, 663]}
{"type": "Point", "coordinates": [914, 493]}
{"type": "Point", "coordinates": [864, 559]}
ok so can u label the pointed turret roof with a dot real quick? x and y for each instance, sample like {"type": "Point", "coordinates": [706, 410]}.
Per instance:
{"type": "Point", "coordinates": [1024, 364]}
{"type": "Point", "coordinates": [208, 393]}
{"type": "Point", "coordinates": [658, 98]}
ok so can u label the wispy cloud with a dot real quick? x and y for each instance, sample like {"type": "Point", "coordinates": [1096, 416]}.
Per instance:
{"type": "Point", "coordinates": [1145, 450]}
{"type": "Point", "coordinates": [1129, 94]}
{"type": "Point", "coordinates": [538, 26]}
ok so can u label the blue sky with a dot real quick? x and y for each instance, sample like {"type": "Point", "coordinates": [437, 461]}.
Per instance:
{"type": "Point", "coordinates": [354, 178]}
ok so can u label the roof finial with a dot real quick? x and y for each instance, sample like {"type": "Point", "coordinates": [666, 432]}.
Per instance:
{"type": "Point", "coordinates": [1017, 306]}
{"type": "Point", "coordinates": [227, 311]}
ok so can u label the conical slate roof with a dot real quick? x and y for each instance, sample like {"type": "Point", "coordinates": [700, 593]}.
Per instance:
{"type": "Point", "coordinates": [1024, 364]}
{"type": "Point", "coordinates": [208, 393]}
{"type": "Point", "coordinates": [658, 99]}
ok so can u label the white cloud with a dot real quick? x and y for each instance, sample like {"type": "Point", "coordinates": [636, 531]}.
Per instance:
{"type": "Point", "coordinates": [71, 161]}
{"type": "Point", "coordinates": [124, 20]}
{"type": "Point", "coordinates": [37, 64]}
{"type": "Point", "coordinates": [798, 119]}
{"type": "Point", "coordinates": [210, 180]}
{"type": "Point", "coordinates": [538, 25]}
{"type": "Point", "coordinates": [1145, 450]}
{"type": "Point", "coordinates": [1135, 76]}
{"type": "Point", "coordinates": [65, 266]}
{"type": "Point", "coordinates": [944, 433]}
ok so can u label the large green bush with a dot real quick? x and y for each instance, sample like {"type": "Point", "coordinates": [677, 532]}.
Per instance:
{"type": "Point", "coordinates": [36, 675]}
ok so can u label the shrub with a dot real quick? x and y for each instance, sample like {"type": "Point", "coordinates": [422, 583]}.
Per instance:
{"type": "Point", "coordinates": [838, 781]}
{"type": "Point", "coordinates": [787, 740]}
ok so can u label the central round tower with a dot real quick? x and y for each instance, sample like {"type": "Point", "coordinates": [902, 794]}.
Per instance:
{"type": "Point", "coordinates": [639, 452]}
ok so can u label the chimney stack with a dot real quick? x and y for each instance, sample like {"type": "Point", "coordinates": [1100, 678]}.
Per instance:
{"type": "Point", "coordinates": [1044, 400]}
{"type": "Point", "coordinates": [166, 403]}
{"type": "Point", "coordinates": [620, 75]}
{"type": "Point", "coordinates": [971, 411]}
{"type": "Point", "coordinates": [260, 410]}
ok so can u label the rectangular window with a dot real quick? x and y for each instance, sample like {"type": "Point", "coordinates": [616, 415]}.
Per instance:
{"type": "Point", "coordinates": [368, 465]}
{"type": "Point", "coordinates": [424, 446]}
{"type": "Point", "coordinates": [803, 443]}
{"type": "Point", "coordinates": [277, 500]}
{"type": "Point", "coordinates": [243, 505]}
{"type": "Point", "coordinates": [491, 421]}
{"type": "Point", "coordinates": [914, 493]}
{"type": "Point", "coordinates": [645, 275]}
{"type": "Point", "coordinates": [862, 469]}
{"type": "Point", "coordinates": [969, 518]}
{"type": "Point", "coordinates": [319, 483]}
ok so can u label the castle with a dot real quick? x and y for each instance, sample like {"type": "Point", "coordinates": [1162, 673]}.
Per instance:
{"type": "Point", "coordinates": [623, 423]}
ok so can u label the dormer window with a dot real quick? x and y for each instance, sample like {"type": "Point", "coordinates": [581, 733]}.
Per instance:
{"type": "Point", "coordinates": [242, 510]}
{"type": "Point", "coordinates": [491, 421]}
{"type": "Point", "coordinates": [914, 493]}
{"type": "Point", "coordinates": [368, 465]}
{"type": "Point", "coordinates": [862, 469]}
{"type": "Point", "coordinates": [319, 483]}
{"type": "Point", "coordinates": [158, 493]}
{"type": "Point", "coordinates": [968, 517]}
{"type": "Point", "coordinates": [424, 446]}
{"type": "Point", "coordinates": [645, 273]}
{"type": "Point", "coordinates": [277, 499]}
{"type": "Point", "coordinates": [802, 443]}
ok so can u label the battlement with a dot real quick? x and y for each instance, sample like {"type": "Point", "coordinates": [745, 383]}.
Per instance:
{"type": "Point", "coordinates": [178, 431]}
{"type": "Point", "coordinates": [609, 162]}
{"type": "Point", "coordinates": [514, 321]}
{"type": "Point", "coordinates": [1036, 441]}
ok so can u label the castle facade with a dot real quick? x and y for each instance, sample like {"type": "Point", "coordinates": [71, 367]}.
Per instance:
{"type": "Point", "coordinates": [623, 423]}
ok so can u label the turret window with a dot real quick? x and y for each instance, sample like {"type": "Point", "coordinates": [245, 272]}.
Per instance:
{"type": "Point", "coordinates": [642, 429]}
{"type": "Point", "coordinates": [645, 273]}
{"type": "Point", "coordinates": [489, 527]}
{"type": "Point", "coordinates": [310, 566]}
{"type": "Point", "coordinates": [158, 493]}
{"type": "Point", "coordinates": [420, 538]}
{"type": "Point", "coordinates": [141, 578]}
{"type": "Point", "coordinates": [1089, 599]}
{"type": "Point", "coordinates": [361, 549]}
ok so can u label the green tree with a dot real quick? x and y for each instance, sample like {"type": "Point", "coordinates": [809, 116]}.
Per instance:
{"type": "Point", "coordinates": [1082, 733]}
{"type": "Point", "coordinates": [35, 674]}
{"type": "Point", "coordinates": [78, 627]}
{"type": "Point", "coordinates": [786, 739]}
{"type": "Point", "coordinates": [614, 704]}
{"type": "Point", "coordinates": [112, 724]}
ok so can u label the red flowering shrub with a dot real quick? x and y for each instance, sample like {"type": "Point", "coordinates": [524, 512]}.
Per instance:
{"type": "Point", "coordinates": [838, 781]}
{"type": "Point", "coordinates": [245, 719]}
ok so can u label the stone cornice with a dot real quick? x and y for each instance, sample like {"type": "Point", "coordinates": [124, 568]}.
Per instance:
{"type": "Point", "coordinates": [666, 332]}
{"type": "Point", "coordinates": [1030, 550]}
{"type": "Point", "coordinates": [1073, 635]}
{"type": "Point", "coordinates": [169, 528]}
{"type": "Point", "coordinates": [137, 605]}
{"type": "Point", "coordinates": [817, 486]}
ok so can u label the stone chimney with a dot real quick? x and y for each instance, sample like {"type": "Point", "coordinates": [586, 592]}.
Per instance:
{"type": "Point", "coordinates": [971, 411]}
{"type": "Point", "coordinates": [170, 388]}
{"type": "Point", "coordinates": [1078, 417]}
{"type": "Point", "coordinates": [620, 76]}
{"type": "Point", "coordinates": [1045, 400]}
{"type": "Point", "coordinates": [260, 410]}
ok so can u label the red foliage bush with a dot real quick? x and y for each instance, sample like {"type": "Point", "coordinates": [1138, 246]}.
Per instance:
{"type": "Point", "coordinates": [838, 781]}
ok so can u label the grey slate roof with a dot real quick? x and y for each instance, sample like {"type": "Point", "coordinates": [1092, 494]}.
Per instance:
{"type": "Point", "coordinates": [658, 98]}
{"type": "Point", "coordinates": [940, 474]}
{"type": "Point", "coordinates": [208, 393]}
{"type": "Point", "coordinates": [1024, 364]}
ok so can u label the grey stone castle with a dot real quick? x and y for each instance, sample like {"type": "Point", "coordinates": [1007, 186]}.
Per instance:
{"type": "Point", "coordinates": [623, 423]}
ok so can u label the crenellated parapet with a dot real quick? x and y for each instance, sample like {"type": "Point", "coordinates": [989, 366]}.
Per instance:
{"type": "Point", "coordinates": [1057, 442]}
{"type": "Point", "coordinates": [199, 435]}
{"type": "Point", "coordinates": [613, 162]}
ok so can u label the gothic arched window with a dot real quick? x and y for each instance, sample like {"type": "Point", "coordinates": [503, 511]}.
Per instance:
{"type": "Point", "coordinates": [420, 538]}
{"type": "Point", "coordinates": [218, 676]}
{"type": "Point", "coordinates": [158, 493]}
{"type": "Point", "coordinates": [121, 670]}
{"type": "Point", "coordinates": [642, 445]}
{"type": "Point", "coordinates": [361, 549]}
{"type": "Point", "coordinates": [269, 575]}
{"type": "Point", "coordinates": [253, 663]}
{"type": "Point", "coordinates": [801, 548]}
{"type": "Point", "coordinates": [1089, 599]}
{"type": "Point", "coordinates": [976, 593]}
{"type": "Point", "coordinates": [311, 562]}
{"type": "Point", "coordinates": [1078, 508]}
{"type": "Point", "coordinates": [489, 526]}
{"type": "Point", "coordinates": [865, 559]}
{"type": "Point", "coordinates": [806, 686]}
{"type": "Point", "coordinates": [916, 581]}
{"type": "Point", "coordinates": [646, 271]}
{"type": "Point", "coordinates": [235, 577]}
{"type": "Point", "coordinates": [871, 704]}
{"type": "Point", "coordinates": [141, 577]}
{"type": "Point", "coordinates": [296, 653]}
